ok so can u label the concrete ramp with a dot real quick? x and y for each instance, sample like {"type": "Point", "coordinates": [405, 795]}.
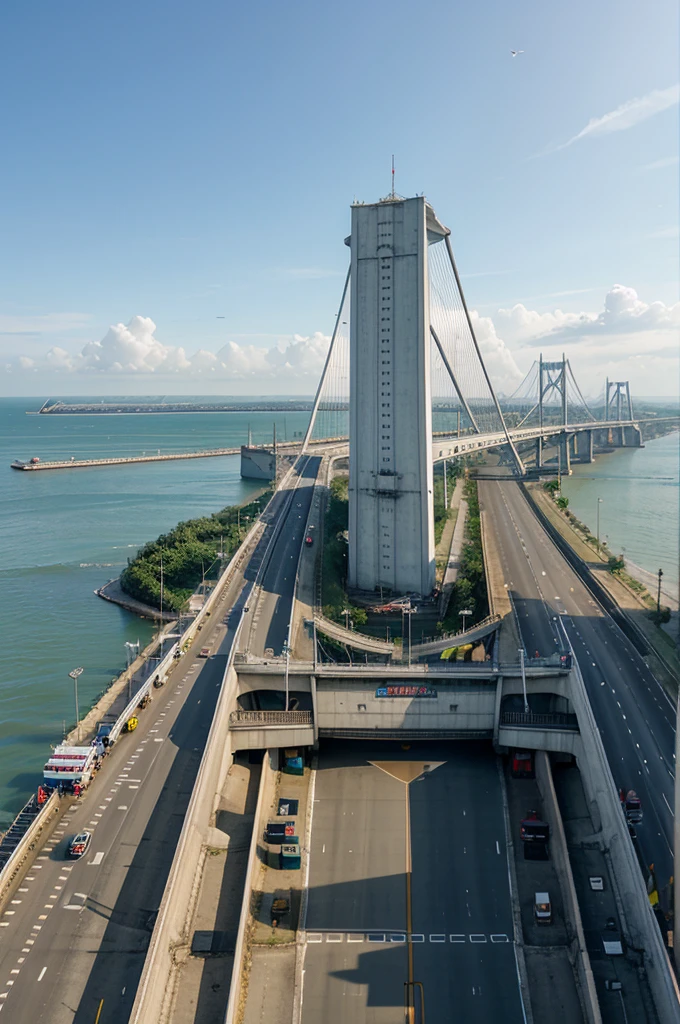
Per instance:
{"type": "Point", "coordinates": [358, 641]}
{"type": "Point", "coordinates": [482, 629]}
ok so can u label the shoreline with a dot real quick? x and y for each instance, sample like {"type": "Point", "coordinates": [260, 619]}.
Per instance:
{"type": "Point", "coordinates": [114, 593]}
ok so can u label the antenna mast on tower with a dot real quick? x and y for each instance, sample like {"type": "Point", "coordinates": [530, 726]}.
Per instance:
{"type": "Point", "coordinates": [392, 194]}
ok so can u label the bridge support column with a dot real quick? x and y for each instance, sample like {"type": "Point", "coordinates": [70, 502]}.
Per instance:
{"type": "Point", "coordinates": [634, 436]}
{"type": "Point", "coordinates": [539, 453]}
{"type": "Point", "coordinates": [565, 454]}
{"type": "Point", "coordinates": [315, 714]}
{"type": "Point", "coordinates": [585, 442]}
{"type": "Point", "coordinates": [497, 709]}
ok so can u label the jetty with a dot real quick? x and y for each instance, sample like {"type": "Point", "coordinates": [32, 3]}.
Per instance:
{"type": "Point", "coordinates": [208, 453]}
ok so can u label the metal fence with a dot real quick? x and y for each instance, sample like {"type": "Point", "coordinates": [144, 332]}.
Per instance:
{"type": "Point", "coordinates": [243, 719]}
{"type": "Point", "coordinates": [530, 720]}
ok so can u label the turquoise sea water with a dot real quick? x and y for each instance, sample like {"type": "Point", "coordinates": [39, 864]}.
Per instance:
{"type": "Point", "coordinates": [65, 532]}
{"type": "Point", "coordinates": [639, 488]}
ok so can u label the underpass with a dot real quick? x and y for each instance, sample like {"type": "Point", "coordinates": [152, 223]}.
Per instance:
{"type": "Point", "coordinates": [408, 885]}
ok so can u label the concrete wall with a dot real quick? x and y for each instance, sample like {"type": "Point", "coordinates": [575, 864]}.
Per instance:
{"type": "Point", "coordinates": [572, 912]}
{"type": "Point", "coordinates": [271, 736]}
{"type": "Point", "coordinates": [258, 463]}
{"type": "Point", "coordinates": [340, 709]}
{"type": "Point", "coordinates": [391, 526]}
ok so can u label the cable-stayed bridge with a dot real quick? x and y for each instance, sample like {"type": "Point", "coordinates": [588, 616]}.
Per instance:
{"type": "Point", "coordinates": [406, 383]}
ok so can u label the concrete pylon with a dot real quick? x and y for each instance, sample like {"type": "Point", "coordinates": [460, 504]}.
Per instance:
{"type": "Point", "coordinates": [391, 522]}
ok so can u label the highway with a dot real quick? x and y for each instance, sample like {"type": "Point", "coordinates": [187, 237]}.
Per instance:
{"type": "Point", "coordinates": [399, 850]}
{"type": "Point", "coordinates": [635, 717]}
{"type": "Point", "coordinates": [271, 616]}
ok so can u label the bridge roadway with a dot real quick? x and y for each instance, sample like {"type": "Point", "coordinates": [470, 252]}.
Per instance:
{"type": "Point", "coordinates": [392, 859]}
{"type": "Point", "coordinates": [635, 717]}
{"type": "Point", "coordinates": [76, 932]}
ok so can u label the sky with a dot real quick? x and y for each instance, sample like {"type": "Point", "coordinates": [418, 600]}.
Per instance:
{"type": "Point", "coordinates": [177, 181]}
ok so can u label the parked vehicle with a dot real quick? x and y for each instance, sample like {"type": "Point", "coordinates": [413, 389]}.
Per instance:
{"type": "Point", "coordinates": [542, 908]}
{"type": "Point", "coordinates": [533, 829]}
{"type": "Point", "coordinates": [522, 765]}
{"type": "Point", "coordinates": [204, 652]}
{"type": "Point", "coordinates": [631, 805]}
{"type": "Point", "coordinates": [104, 729]}
{"type": "Point", "coordinates": [309, 540]}
{"type": "Point", "coordinates": [69, 767]}
{"type": "Point", "coordinates": [79, 845]}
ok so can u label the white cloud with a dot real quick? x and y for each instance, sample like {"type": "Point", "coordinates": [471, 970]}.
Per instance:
{"type": "Point", "coordinates": [628, 114]}
{"type": "Point", "coordinates": [499, 360]}
{"type": "Point", "coordinates": [658, 165]}
{"type": "Point", "coordinates": [134, 350]}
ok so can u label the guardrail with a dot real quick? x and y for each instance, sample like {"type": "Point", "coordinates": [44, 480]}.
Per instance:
{"type": "Point", "coordinates": [243, 719]}
{"type": "Point", "coordinates": [21, 835]}
{"type": "Point", "coordinates": [126, 714]}
{"type": "Point", "coordinates": [531, 720]}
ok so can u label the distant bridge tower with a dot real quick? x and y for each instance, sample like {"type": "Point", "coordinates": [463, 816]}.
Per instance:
{"type": "Point", "coordinates": [391, 522]}
{"type": "Point", "coordinates": [617, 400]}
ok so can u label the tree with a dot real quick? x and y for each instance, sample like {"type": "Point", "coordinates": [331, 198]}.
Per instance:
{"type": "Point", "coordinates": [562, 502]}
{"type": "Point", "coordinates": [552, 486]}
{"type": "Point", "coordinates": [615, 563]}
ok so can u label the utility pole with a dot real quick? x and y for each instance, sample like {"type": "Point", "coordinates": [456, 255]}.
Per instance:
{"type": "Point", "coordinates": [74, 676]}
{"type": "Point", "coordinates": [599, 502]}
{"type": "Point", "coordinates": [446, 492]}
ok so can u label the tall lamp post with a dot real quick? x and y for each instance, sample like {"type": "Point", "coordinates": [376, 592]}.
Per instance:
{"type": "Point", "coordinates": [658, 592]}
{"type": "Point", "coordinates": [286, 650]}
{"type": "Point", "coordinates": [464, 612]}
{"type": "Point", "coordinates": [129, 648]}
{"type": "Point", "coordinates": [74, 676]}
{"type": "Point", "coordinates": [599, 502]}
{"type": "Point", "coordinates": [524, 681]}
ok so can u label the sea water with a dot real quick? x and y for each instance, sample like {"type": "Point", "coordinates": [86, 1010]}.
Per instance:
{"type": "Point", "coordinates": [65, 532]}
{"type": "Point", "coordinates": [639, 488]}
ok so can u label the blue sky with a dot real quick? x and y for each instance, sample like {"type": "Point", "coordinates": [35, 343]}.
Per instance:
{"type": "Point", "coordinates": [175, 163]}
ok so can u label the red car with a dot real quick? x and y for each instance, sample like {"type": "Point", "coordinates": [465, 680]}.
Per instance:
{"type": "Point", "coordinates": [309, 540]}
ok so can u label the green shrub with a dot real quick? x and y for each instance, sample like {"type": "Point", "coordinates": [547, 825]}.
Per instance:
{"type": "Point", "coordinates": [188, 554]}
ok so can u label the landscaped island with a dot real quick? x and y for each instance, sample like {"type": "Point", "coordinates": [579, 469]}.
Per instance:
{"type": "Point", "coordinates": [193, 551]}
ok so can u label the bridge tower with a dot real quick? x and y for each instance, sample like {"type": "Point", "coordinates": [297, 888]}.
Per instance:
{"type": "Point", "coordinates": [391, 524]}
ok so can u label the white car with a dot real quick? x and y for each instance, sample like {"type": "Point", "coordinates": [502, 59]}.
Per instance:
{"type": "Point", "coordinates": [79, 845]}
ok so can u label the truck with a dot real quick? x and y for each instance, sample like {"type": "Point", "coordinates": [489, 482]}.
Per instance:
{"type": "Point", "coordinates": [522, 765]}
{"type": "Point", "coordinates": [69, 767]}
{"type": "Point", "coordinates": [533, 829]}
{"type": "Point", "coordinates": [104, 728]}
{"type": "Point", "coordinates": [631, 805]}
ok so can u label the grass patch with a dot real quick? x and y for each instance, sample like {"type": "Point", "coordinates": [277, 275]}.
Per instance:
{"type": "Point", "coordinates": [469, 590]}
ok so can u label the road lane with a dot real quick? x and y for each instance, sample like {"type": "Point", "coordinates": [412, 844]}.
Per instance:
{"type": "Point", "coordinates": [357, 937]}
{"type": "Point", "coordinates": [633, 713]}
{"type": "Point", "coordinates": [88, 922]}
{"type": "Point", "coordinates": [277, 585]}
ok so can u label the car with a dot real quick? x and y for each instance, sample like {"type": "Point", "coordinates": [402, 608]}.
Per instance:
{"type": "Point", "coordinates": [309, 540]}
{"type": "Point", "coordinates": [204, 652]}
{"type": "Point", "coordinates": [79, 845]}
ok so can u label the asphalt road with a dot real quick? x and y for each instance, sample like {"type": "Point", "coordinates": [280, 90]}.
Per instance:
{"type": "Point", "coordinates": [634, 715]}
{"type": "Point", "coordinates": [272, 615]}
{"type": "Point", "coordinates": [76, 932]}
{"type": "Point", "coordinates": [360, 914]}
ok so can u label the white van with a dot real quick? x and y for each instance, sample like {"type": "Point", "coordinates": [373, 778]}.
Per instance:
{"type": "Point", "coordinates": [542, 908]}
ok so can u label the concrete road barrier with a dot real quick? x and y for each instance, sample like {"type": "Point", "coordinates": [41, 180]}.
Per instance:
{"type": "Point", "coordinates": [27, 843]}
{"type": "Point", "coordinates": [560, 854]}
{"type": "Point", "coordinates": [637, 918]}
{"type": "Point", "coordinates": [265, 797]}
{"type": "Point", "coordinates": [155, 994]}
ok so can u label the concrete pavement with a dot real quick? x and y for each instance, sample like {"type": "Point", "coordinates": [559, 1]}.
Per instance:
{"type": "Point", "coordinates": [446, 890]}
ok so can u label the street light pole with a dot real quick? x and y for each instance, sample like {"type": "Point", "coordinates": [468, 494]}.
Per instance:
{"type": "Point", "coordinates": [524, 680]}
{"type": "Point", "coordinates": [74, 676]}
{"type": "Point", "coordinates": [465, 612]}
{"type": "Point", "coordinates": [599, 502]}
{"type": "Point", "coordinates": [286, 651]}
{"type": "Point", "coordinates": [658, 593]}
